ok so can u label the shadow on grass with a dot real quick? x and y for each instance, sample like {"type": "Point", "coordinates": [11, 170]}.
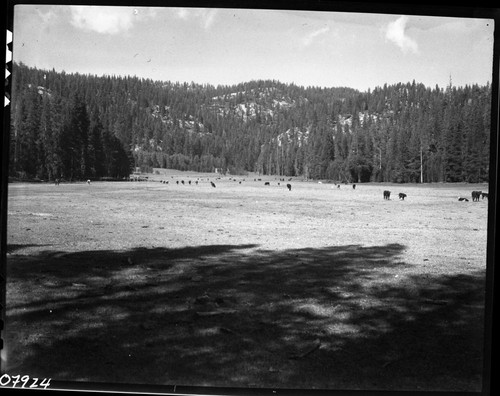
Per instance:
{"type": "Point", "coordinates": [344, 317]}
{"type": "Point", "coordinates": [12, 248]}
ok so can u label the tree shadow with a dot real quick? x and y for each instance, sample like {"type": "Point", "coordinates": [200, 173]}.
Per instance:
{"type": "Point", "coordinates": [342, 317]}
{"type": "Point", "coordinates": [12, 248]}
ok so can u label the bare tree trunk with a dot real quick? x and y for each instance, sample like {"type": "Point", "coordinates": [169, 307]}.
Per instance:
{"type": "Point", "coordinates": [421, 166]}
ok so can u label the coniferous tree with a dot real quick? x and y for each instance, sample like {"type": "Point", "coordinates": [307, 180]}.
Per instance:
{"type": "Point", "coordinates": [96, 153]}
{"type": "Point", "coordinates": [74, 140]}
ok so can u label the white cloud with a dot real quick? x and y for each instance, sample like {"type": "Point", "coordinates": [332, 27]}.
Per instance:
{"type": "Point", "coordinates": [106, 20]}
{"type": "Point", "coordinates": [310, 37]}
{"type": "Point", "coordinates": [46, 17]}
{"type": "Point", "coordinates": [208, 18]}
{"type": "Point", "coordinates": [205, 16]}
{"type": "Point", "coordinates": [395, 32]}
{"type": "Point", "coordinates": [181, 13]}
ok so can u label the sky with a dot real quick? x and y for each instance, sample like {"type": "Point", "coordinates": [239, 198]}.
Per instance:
{"type": "Point", "coordinates": [230, 46]}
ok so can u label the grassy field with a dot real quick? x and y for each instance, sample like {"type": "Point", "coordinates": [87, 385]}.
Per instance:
{"type": "Point", "coordinates": [247, 285]}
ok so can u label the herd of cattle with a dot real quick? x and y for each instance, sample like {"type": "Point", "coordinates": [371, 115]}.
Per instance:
{"type": "Point", "coordinates": [476, 195]}
{"type": "Point", "coordinates": [387, 194]}
{"type": "Point", "coordinates": [288, 185]}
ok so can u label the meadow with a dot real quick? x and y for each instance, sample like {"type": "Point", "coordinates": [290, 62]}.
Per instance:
{"type": "Point", "coordinates": [247, 285]}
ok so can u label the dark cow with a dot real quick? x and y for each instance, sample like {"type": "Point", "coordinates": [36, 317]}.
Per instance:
{"type": "Point", "coordinates": [196, 182]}
{"type": "Point", "coordinates": [353, 186]}
{"type": "Point", "coordinates": [476, 195]}
{"type": "Point", "coordinates": [182, 181]}
{"type": "Point", "coordinates": [484, 195]}
{"type": "Point", "coordinates": [289, 186]}
{"type": "Point", "coordinates": [387, 194]}
{"type": "Point", "coordinates": [57, 181]}
{"type": "Point", "coordinates": [402, 196]}
{"type": "Point", "coordinates": [463, 199]}
{"type": "Point", "coordinates": [177, 181]}
{"type": "Point", "coordinates": [338, 185]}
{"type": "Point", "coordinates": [266, 184]}
{"type": "Point", "coordinates": [213, 184]}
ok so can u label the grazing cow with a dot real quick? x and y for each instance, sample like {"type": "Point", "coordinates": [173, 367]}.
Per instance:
{"type": "Point", "coordinates": [57, 182]}
{"type": "Point", "coordinates": [353, 186]}
{"type": "Point", "coordinates": [182, 181]}
{"type": "Point", "coordinates": [177, 181]}
{"type": "Point", "coordinates": [387, 194]}
{"type": "Point", "coordinates": [463, 199]}
{"type": "Point", "coordinates": [402, 196]}
{"type": "Point", "coordinates": [289, 186]}
{"type": "Point", "coordinates": [338, 185]}
{"type": "Point", "coordinates": [213, 184]}
{"type": "Point", "coordinates": [476, 195]}
{"type": "Point", "coordinates": [483, 195]}
{"type": "Point", "coordinates": [189, 181]}
{"type": "Point", "coordinates": [266, 184]}
{"type": "Point", "coordinates": [196, 182]}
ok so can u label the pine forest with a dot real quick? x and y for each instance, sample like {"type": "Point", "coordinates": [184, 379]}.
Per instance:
{"type": "Point", "coordinates": [78, 127]}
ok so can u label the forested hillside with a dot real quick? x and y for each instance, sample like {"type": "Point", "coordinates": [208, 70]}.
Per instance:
{"type": "Point", "coordinates": [81, 126]}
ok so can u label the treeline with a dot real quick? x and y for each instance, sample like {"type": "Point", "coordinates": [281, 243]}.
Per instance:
{"type": "Point", "coordinates": [55, 136]}
{"type": "Point", "coordinates": [82, 126]}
